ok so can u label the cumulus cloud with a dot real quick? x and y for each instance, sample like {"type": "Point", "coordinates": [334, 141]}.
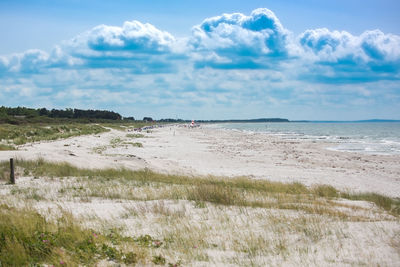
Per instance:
{"type": "Point", "coordinates": [30, 61]}
{"type": "Point", "coordinates": [334, 45]}
{"type": "Point", "coordinates": [379, 46]}
{"type": "Point", "coordinates": [239, 41]}
{"type": "Point", "coordinates": [139, 46]}
{"type": "Point", "coordinates": [36, 61]}
{"type": "Point", "coordinates": [327, 45]}
{"type": "Point", "coordinates": [133, 36]}
{"type": "Point", "coordinates": [336, 56]}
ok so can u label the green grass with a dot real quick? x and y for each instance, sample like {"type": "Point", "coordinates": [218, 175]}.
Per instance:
{"type": "Point", "coordinates": [4, 147]}
{"type": "Point", "coordinates": [135, 144]}
{"type": "Point", "coordinates": [115, 142]}
{"type": "Point", "coordinates": [29, 239]}
{"type": "Point", "coordinates": [33, 132]}
{"type": "Point", "coordinates": [135, 135]}
{"type": "Point", "coordinates": [382, 201]}
{"type": "Point", "coordinates": [21, 134]}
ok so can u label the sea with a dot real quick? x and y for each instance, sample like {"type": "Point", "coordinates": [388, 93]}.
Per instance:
{"type": "Point", "coordinates": [363, 137]}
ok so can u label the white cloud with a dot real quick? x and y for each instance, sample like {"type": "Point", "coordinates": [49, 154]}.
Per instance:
{"type": "Point", "coordinates": [132, 37]}
{"type": "Point", "coordinates": [333, 46]}
{"type": "Point", "coordinates": [240, 40]}
{"type": "Point", "coordinates": [380, 46]}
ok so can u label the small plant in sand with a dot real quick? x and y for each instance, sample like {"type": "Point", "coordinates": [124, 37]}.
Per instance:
{"type": "Point", "coordinates": [4, 147]}
{"type": "Point", "coordinates": [135, 135]}
{"type": "Point", "coordinates": [159, 260]}
{"type": "Point", "coordinates": [135, 144]}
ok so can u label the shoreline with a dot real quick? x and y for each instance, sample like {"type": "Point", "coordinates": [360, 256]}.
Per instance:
{"type": "Point", "coordinates": [208, 151]}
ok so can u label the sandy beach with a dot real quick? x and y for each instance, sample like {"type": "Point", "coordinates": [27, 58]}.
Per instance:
{"type": "Point", "coordinates": [267, 229]}
{"type": "Point", "coordinates": [217, 152]}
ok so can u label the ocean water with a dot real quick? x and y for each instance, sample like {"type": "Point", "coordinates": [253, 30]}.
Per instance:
{"type": "Point", "coordinates": [363, 137]}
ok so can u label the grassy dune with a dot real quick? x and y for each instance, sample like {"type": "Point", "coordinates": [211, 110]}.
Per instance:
{"type": "Point", "coordinates": [14, 135]}
{"type": "Point", "coordinates": [194, 220]}
{"type": "Point", "coordinates": [21, 134]}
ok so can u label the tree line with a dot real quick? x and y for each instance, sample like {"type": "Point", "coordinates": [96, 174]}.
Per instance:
{"type": "Point", "coordinates": [9, 114]}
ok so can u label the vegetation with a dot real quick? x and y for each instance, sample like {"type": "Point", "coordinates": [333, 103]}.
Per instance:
{"type": "Point", "coordinates": [191, 218]}
{"type": "Point", "coordinates": [148, 119]}
{"type": "Point", "coordinates": [21, 134]}
{"type": "Point", "coordinates": [28, 238]}
{"type": "Point", "coordinates": [135, 135]}
{"type": "Point", "coordinates": [233, 191]}
{"type": "Point", "coordinates": [6, 147]}
{"type": "Point", "coordinates": [22, 115]}
{"type": "Point", "coordinates": [12, 135]}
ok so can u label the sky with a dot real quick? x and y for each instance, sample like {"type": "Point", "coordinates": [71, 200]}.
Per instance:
{"type": "Point", "coordinates": [305, 59]}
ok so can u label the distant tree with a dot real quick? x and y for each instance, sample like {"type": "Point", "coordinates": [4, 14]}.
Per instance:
{"type": "Point", "coordinates": [96, 114]}
{"type": "Point", "coordinates": [3, 112]}
{"type": "Point", "coordinates": [147, 119]}
{"type": "Point", "coordinates": [43, 112]}
{"type": "Point", "coordinates": [129, 118]}
{"type": "Point", "coordinates": [171, 120]}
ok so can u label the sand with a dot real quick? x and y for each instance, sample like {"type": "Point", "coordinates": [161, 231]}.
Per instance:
{"type": "Point", "coordinates": [218, 152]}
{"type": "Point", "coordinates": [278, 237]}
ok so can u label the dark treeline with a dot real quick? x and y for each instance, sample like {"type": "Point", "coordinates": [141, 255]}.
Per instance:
{"type": "Point", "coordinates": [20, 115]}
{"type": "Point", "coordinates": [13, 115]}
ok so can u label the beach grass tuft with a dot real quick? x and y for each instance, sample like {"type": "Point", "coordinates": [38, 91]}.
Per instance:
{"type": "Point", "coordinates": [28, 238]}
{"type": "Point", "coordinates": [135, 135]}
{"type": "Point", "coordinates": [325, 191]}
{"type": "Point", "coordinates": [387, 203]}
{"type": "Point", "coordinates": [215, 194]}
{"type": "Point", "coordinates": [4, 147]}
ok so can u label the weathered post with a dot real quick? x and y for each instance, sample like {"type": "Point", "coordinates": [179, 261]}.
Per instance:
{"type": "Point", "coordinates": [12, 177]}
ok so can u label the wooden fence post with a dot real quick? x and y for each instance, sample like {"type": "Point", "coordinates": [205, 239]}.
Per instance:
{"type": "Point", "coordinates": [12, 177]}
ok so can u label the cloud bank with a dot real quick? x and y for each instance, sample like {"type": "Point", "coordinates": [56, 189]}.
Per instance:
{"type": "Point", "coordinates": [228, 60]}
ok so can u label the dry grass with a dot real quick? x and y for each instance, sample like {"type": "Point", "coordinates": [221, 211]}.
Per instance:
{"type": "Point", "coordinates": [223, 191]}
{"type": "Point", "coordinates": [172, 219]}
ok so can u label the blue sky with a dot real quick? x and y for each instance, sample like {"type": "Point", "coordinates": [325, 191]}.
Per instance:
{"type": "Point", "coordinates": [321, 60]}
